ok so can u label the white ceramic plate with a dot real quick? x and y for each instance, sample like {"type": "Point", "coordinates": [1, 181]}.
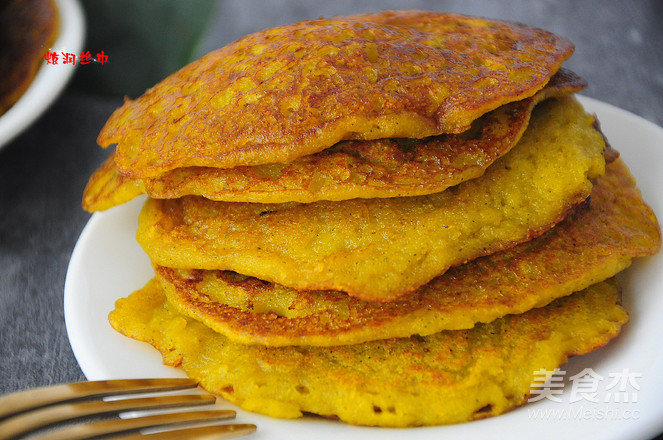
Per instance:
{"type": "Point", "coordinates": [51, 78]}
{"type": "Point", "coordinates": [108, 264]}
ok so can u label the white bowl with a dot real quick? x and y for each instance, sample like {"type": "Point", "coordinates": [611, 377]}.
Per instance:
{"type": "Point", "coordinates": [51, 78]}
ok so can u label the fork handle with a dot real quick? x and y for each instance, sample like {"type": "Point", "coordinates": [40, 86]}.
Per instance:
{"type": "Point", "coordinates": [21, 401]}
{"type": "Point", "coordinates": [34, 420]}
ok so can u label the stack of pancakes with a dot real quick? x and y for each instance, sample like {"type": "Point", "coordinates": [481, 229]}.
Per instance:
{"type": "Point", "coordinates": [394, 219]}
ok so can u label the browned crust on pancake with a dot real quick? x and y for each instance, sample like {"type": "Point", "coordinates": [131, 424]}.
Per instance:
{"type": "Point", "coordinates": [291, 91]}
{"type": "Point", "coordinates": [350, 169]}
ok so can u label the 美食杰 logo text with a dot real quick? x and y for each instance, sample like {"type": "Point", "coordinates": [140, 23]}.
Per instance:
{"type": "Point", "coordinates": [611, 397]}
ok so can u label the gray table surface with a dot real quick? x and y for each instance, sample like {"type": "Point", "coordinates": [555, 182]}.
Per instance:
{"type": "Point", "coordinates": [43, 172]}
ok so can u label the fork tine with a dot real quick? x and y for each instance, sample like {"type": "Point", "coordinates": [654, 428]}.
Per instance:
{"type": "Point", "coordinates": [128, 426]}
{"type": "Point", "coordinates": [33, 420]}
{"type": "Point", "coordinates": [23, 401]}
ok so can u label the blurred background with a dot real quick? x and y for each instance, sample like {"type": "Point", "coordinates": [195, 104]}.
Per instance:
{"type": "Point", "coordinates": [44, 170]}
{"type": "Point", "coordinates": [150, 39]}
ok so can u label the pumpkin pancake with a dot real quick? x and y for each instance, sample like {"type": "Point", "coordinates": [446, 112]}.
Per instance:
{"type": "Point", "coordinates": [590, 245]}
{"type": "Point", "coordinates": [28, 28]}
{"type": "Point", "coordinates": [291, 91]}
{"type": "Point", "coordinates": [381, 249]}
{"type": "Point", "coordinates": [448, 377]}
{"type": "Point", "coordinates": [350, 169]}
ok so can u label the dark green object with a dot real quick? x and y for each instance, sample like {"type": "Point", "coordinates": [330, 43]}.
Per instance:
{"type": "Point", "coordinates": [145, 41]}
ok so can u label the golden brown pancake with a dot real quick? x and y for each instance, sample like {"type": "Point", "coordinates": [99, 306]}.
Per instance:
{"type": "Point", "coordinates": [28, 28]}
{"type": "Point", "coordinates": [590, 245]}
{"type": "Point", "coordinates": [381, 249]}
{"type": "Point", "coordinates": [448, 377]}
{"type": "Point", "coordinates": [291, 91]}
{"type": "Point", "coordinates": [350, 169]}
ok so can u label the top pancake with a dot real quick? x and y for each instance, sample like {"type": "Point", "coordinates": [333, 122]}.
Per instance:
{"type": "Point", "coordinates": [291, 91]}
{"type": "Point", "coordinates": [350, 169]}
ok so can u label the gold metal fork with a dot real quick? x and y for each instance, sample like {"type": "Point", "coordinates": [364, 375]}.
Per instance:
{"type": "Point", "coordinates": [43, 409]}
